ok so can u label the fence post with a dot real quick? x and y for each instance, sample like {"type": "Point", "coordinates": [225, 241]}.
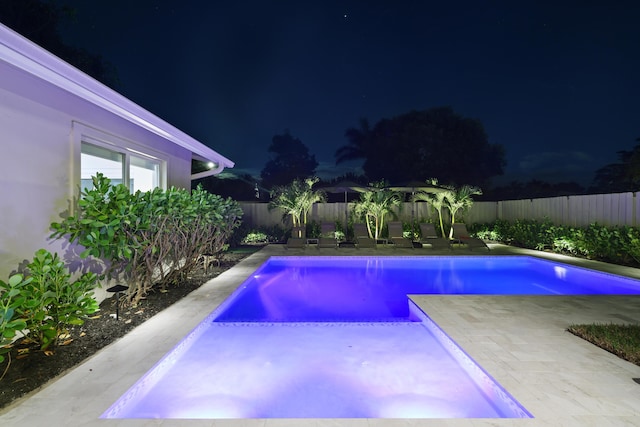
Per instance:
{"type": "Point", "coordinates": [633, 209]}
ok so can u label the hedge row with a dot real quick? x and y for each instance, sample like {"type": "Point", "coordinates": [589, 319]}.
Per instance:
{"type": "Point", "coordinates": [613, 244]}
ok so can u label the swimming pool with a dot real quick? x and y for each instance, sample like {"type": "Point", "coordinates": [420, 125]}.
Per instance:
{"type": "Point", "coordinates": [291, 289]}
{"type": "Point", "coordinates": [259, 355]}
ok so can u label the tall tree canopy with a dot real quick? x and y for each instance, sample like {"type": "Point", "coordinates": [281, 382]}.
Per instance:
{"type": "Point", "coordinates": [290, 159]}
{"type": "Point", "coordinates": [422, 144]}
{"type": "Point", "coordinates": [39, 21]}
{"type": "Point", "coordinates": [621, 176]}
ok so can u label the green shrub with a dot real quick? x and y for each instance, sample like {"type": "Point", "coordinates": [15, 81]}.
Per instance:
{"type": "Point", "coordinates": [254, 237]}
{"type": "Point", "coordinates": [631, 243]}
{"type": "Point", "coordinates": [11, 320]}
{"type": "Point", "coordinates": [486, 232]}
{"type": "Point", "coordinates": [313, 229]}
{"type": "Point", "coordinates": [246, 235]}
{"type": "Point", "coordinates": [619, 245]}
{"type": "Point", "coordinates": [149, 237]}
{"type": "Point", "coordinates": [52, 302]}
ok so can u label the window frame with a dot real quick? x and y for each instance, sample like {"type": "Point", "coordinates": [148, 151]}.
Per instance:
{"type": "Point", "coordinates": [83, 134]}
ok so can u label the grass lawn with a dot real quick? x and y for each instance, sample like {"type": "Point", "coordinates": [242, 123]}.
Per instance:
{"type": "Point", "coordinates": [621, 340]}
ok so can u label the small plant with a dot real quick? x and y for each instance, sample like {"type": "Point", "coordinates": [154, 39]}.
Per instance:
{"type": "Point", "coordinates": [254, 237]}
{"type": "Point", "coordinates": [51, 301]}
{"type": "Point", "coordinates": [564, 245]}
{"type": "Point", "coordinates": [313, 229]}
{"type": "Point", "coordinates": [11, 300]}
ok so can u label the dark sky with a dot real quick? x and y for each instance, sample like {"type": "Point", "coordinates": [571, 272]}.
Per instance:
{"type": "Point", "coordinates": [556, 83]}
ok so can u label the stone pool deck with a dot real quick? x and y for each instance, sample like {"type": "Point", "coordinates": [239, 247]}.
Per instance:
{"type": "Point", "coordinates": [521, 341]}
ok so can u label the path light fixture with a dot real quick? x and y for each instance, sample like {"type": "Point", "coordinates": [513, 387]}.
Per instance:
{"type": "Point", "coordinates": [117, 289]}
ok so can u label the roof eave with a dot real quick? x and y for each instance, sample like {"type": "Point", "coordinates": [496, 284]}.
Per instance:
{"type": "Point", "coordinates": [31, 58]}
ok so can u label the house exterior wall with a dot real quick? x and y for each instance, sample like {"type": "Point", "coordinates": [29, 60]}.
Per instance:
{"type": "Point", "coordinates": [41, 126]}
{"type": "Point", "coordinates": [40, 131]}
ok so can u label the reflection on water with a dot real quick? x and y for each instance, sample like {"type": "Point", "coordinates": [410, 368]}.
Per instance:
{"type": "Point", "coordinates": [319, 370]}
{"type": "Point", "coordinates": [335, 337]}
{"type": "Point", "coordinates": [310, 289]}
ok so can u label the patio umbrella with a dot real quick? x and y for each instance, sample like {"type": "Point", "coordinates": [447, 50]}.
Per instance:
{"type": "Point", "coordinates": [411, 187]}
{"type": "Point", "coordinates": [346, 187]}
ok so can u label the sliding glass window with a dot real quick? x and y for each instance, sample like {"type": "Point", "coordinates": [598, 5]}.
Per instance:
{"type": "Point", "coordinates": [120, 166]}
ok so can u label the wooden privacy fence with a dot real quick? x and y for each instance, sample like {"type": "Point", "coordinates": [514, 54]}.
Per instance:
{"type": "Point", "coordinates": [577, 211]}
{"type": "Point", "coordinates": [259, 215]}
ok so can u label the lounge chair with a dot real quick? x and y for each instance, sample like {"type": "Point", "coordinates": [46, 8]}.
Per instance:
{"type": "Point", "coordinates": [296, 243]}
{"type": "Point", "coordinates": [396, 235]}
{"type": "Point", "coordinates": [428, 236]}
{"type": "Point", "coordinates": [327, 237]}
{"type": "Point", "coordinates": [361, 235]}
{"type": "Point", "coordinates": [461, 235]}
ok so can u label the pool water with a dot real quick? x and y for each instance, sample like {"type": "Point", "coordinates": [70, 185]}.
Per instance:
{"type": "Point", "coordinates": [291, 289]}
{"type": "Point", "coordinates": [337, 337]}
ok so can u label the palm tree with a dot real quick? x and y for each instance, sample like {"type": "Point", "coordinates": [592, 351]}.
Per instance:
{"type": "Point", "coordinates": [358, 143]}
{"type": "Point", "coordinates": [374, 205]}
{"type": "Point", "coordinates": [307, 197]}
{"type": "Point", "coordinates": [296, 199]}
{"type": "Point", "coordinates": [437, 201]}
{"type": "Point", "coordinates": [460, 199]}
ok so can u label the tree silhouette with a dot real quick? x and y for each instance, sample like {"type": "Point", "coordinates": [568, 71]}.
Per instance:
{"type": "Point", "coordinates": [241, 188]}
{"type": "Point", "coordinates": [39, 21]}
{"type": "Point", "coordinates": [532, 189]}
{"type": "Point", "coordinates": [290, 160]}
{"type": "Point", "coordinates": [622, 176]}
{"type": "Point", "coordinates": [421, 144]}
{"type": "Point", "coordinates": [358, 143]}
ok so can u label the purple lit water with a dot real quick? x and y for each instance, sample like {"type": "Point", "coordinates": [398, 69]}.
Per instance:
{"type": "Point", "coordinates": [312, 289]}
{"type": "Point", "coordinates": [337, 337]}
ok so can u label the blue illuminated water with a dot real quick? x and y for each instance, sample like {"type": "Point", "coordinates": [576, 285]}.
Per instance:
{"type": "Point", "coordinates": [337, 337]}
{"type": "Point", "coordinates": [311, 289]}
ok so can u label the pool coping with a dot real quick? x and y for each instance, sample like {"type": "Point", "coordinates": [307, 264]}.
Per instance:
{"type": "Point", "coordinates": [559, 378]}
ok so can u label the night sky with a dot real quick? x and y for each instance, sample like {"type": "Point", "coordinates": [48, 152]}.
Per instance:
{"type": "Point", "coordinates": [556, 83]}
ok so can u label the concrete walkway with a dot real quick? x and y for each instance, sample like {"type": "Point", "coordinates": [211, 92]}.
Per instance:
{"type": "Point", "coordinates": [521, 341]}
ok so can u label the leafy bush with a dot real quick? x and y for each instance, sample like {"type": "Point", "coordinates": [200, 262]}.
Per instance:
{"type": "Point", "coordinates": [255, 237]}
{"type": "Point", "coordinates": [631, 243]}
{"type": "Point", "coordinates": [44, 302]}
{"type": "Point", "coordinates": [149, 237]}
{"type": "Point", "coordinates": [52, 302]}
{"type": "Point", "coordinates": [11, 321]}
{"type": "Point", "coordinates": [620, 245]}
{"type": "Point", "coordinates": [246, 235]}
{"type": "Point", "coordinates": [484, 232]}
{"type": "Point", "coordinates": [313, 229]}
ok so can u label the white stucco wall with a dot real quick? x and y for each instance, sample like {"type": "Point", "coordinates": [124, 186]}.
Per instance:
{"type": "Point", "coordinates": [39, 160]}
{"type": "Point", "coordinates": [39, 169]}
{"type": "Point", "coordinates": [47, 107]}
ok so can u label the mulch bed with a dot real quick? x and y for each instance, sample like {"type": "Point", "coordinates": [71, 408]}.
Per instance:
{"type": "Point", "coordinates": [26, 368]}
